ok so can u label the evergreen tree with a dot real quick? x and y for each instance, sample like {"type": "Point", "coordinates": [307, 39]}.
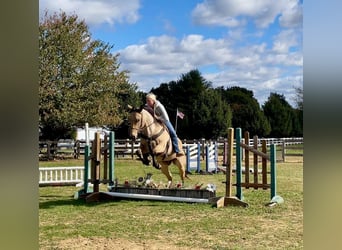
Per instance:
{"type": "Point", "coordinates": [247, 113]}
{"type": "Point", "coordinates": [280, 114]}
{"type": "Point", "coordinates": [206, 113]}
{"type": "Point", "coordinates": [212, 115]}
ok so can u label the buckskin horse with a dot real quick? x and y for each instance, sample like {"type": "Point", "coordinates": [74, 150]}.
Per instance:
{"type": "Point", "coordinates": [155, 140]}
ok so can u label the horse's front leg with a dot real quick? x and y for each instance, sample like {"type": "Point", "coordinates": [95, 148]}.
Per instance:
{"type": "Point", "coordinates": [143, 152]}
{"type": "Point", "coordinates": [155, 162]}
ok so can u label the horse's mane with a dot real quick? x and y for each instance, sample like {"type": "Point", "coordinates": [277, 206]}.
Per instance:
{"type": "Point", "coordinates": [150, 112]}
{"type": "Point", "coordinates": [148, 109]}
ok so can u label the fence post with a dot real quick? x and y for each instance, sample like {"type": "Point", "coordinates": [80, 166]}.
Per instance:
{"type": "Point", "coordinates": [238, 164]}
{"type": "Point", "coordinates": [274, 197]}
{"type": "Point", "coordinates": [273, 171]}
{"type": "Point", "coordinates": [229, 162]}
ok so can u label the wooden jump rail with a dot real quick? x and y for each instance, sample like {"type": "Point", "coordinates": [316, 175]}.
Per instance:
{"type": "Point", "coordinates": [248, 183]}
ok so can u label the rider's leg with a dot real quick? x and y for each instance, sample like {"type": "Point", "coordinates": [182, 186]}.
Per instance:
{"type": "Point", "coordinates": [173, 136]}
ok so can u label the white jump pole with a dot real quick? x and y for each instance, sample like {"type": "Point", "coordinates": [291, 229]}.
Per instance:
{"type": "Point", "coordinates": [86, 131]}
{"type": "Point", "coordinates": [157, 197]}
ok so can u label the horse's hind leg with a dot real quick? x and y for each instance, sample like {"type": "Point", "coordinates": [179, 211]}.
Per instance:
{"type": "Point", "coordinates": [165, 170]}
{"type": "Point", "coordinates": [181, 162]}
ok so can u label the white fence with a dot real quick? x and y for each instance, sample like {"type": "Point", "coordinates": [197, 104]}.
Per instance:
{"type": "Point", "coordinates": [125, 147]}
{"type": "Point", "coordinates": [60, 176]}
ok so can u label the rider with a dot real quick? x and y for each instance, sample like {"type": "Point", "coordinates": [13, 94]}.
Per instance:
{"type": "Point", "coordinates": [161, 115]}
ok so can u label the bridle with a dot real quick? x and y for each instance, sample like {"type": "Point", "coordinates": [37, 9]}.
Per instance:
{"type": "Point", "coordinates": [140, 128]}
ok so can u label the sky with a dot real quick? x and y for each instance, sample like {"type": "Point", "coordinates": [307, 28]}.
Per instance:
{"type": "Point", "coordinates": [255, 44]}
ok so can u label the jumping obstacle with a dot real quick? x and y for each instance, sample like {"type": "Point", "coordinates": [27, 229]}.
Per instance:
{"type": "Point", "coordinates": [92, 171]}
{"type": "Point", "coordinates": [93, 174]}
{"type": "Point", "coordinates": [193, 157]}
{"type": "Point", "coordinates": [211, 158]}
{"type": "Point", "coordinates": [247, 183]}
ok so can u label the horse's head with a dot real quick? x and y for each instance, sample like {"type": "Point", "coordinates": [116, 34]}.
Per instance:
{"type": "Point", "coordinates": [135, 121]}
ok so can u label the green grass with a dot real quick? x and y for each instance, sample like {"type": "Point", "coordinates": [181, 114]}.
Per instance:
{"type": "Point", "coordinates": [66, 223]}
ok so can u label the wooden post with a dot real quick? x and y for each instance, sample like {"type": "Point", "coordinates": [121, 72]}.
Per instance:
{"type": "Point", "coordinates": [247, 160]}
{"type": "Point", "coordinates": [105, 157]}
{"type": "Point", "coordinates": [229, 199]}
{"type": "Point", "coordinates": [238, 164]}
{"type": "Point", "coordinates": [255, 160]}
{"type": "Point", "coordinates": [95, 161]}
{"type": "Point", "coordinates": [264, 165]}
{"type": "Point", "coordinates": [229, 171]}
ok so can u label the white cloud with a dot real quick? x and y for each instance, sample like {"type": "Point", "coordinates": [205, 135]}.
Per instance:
{"type": "Point", "coordinates": [292, 16]}
{"type": "Point", "coordinates": [95, 12]}
{"type": "Point", "coordinates": [239, 59]}
{"type": "Point", "coordinates": [165, 58]}
{"type": "Point", "coordinates": [285, 40]}
{"type": "Point", "coordinates": [233, 13]}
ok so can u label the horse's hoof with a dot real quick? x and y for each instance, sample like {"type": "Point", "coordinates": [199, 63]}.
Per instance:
{"type": "Point", "coordinates": [146, 162]}
{"type": "Point", "coordinates": [157, 166]}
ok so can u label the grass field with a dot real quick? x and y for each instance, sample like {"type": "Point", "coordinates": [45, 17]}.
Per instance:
{"type": "Point", "coordinates": [66, 223]}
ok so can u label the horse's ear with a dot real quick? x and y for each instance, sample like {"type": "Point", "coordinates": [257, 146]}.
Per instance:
{"type": "Point", "coordinates": [134, 109]}
{"type": "Point", "coordinates": [129, 108]}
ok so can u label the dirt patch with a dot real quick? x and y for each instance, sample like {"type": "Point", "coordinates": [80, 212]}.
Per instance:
{"type": "Point", "coordinates": [102, 243]}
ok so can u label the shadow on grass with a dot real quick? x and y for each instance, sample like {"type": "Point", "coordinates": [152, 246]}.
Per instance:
{"type": "Point", "coordinates": [59, 201]}
{"type": "Point", "coordinates": [69, 202]}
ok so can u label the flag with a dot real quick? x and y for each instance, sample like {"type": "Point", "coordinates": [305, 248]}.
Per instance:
{"type": "Point", "coordinates": [180, 114]}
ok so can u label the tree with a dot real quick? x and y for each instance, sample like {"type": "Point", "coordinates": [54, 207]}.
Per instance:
{"type": "Point", "coordinates": [206, 114]}
{"type": "Point", "coordinates": [79, 78]}
{"type": "Point", "coordinates": [280, 114]}
{"type": "Point", "coordinates": [247, 113]}
{"type": "Point", "coordinates": [212, 115]}
{"type": "Point", "coordinates": [299, 98]}
{"type": "Point", "coordinates": [298, 112]}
